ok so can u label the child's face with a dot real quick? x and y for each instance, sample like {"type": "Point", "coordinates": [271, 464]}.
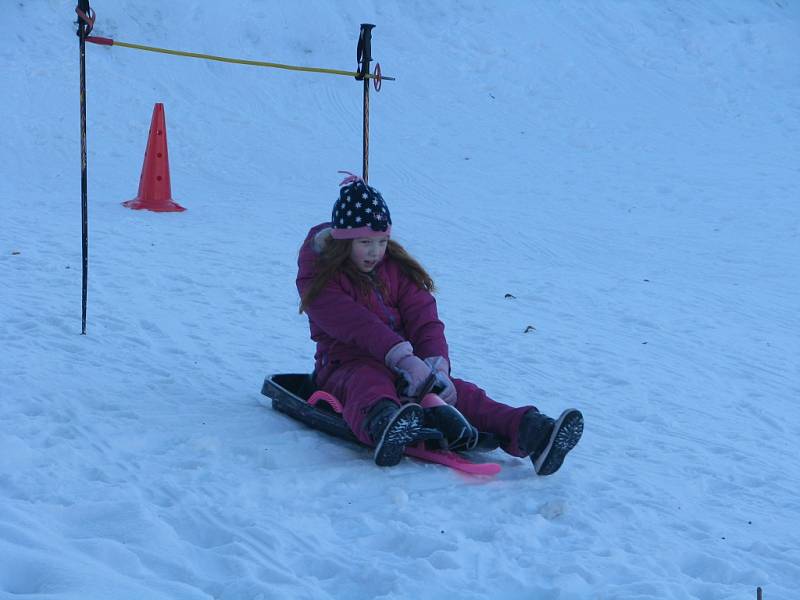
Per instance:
{"type": "Point", "coordinates": [366, 253]}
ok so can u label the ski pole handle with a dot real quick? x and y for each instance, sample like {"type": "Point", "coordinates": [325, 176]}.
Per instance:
{"type": "Point", "coordinates": [364, 50]}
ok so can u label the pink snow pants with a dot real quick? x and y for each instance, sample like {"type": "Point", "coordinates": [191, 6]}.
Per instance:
{"type": "Point", "coordinates": [359, 385]}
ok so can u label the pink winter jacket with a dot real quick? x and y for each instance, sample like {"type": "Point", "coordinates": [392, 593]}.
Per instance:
{"type": "Point", "coordinates": [348, 326]}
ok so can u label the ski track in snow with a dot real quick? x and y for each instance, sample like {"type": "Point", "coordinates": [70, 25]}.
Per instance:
{"type": "Point", "coordinates": [625, 172]}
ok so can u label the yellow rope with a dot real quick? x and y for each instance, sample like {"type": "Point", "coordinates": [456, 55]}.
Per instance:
{"type": "Point", "coordinates": [254, 63]}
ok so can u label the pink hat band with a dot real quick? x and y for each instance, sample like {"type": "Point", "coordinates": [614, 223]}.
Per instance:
{"type": "Point", "coordinates": [358, 232]}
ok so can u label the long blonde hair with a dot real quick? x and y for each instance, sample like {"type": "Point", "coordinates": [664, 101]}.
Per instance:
{"type": "Point", "coordinates": [334, 259]}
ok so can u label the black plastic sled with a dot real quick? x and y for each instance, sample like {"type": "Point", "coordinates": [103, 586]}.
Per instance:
{"type": "Point", "coordinates": [290, 393]}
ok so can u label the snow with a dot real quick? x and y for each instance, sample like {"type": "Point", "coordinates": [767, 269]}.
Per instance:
{"type": "Point", "coordinates": [627, 171]}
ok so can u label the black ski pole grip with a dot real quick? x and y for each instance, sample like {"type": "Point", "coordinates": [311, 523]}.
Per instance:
{"type": "Point", "coordinates": [364, 50]}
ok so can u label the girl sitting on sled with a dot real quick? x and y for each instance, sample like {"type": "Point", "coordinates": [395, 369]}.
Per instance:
{"type": "Point", "coordinates": [373, 317]}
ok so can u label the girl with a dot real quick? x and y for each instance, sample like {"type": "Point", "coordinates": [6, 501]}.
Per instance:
{"type": "Point", "coordinates": [373, 316]}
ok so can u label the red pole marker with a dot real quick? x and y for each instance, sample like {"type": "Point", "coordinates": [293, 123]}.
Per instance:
{"type": "Point", "coordinates": [102, 41]}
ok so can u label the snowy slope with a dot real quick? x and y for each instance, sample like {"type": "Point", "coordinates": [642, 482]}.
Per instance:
{"type": "Point", "coordinates": [626, 170]}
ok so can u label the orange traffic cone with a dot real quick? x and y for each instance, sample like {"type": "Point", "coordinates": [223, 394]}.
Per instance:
{"type": "Point", "coordinates": [155, 192]}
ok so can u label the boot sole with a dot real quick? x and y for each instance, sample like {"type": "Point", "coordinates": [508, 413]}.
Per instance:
{"type": "Point", "coordinates": [404, 428]}
{"type": "Point", "coordinates": [567, 432]}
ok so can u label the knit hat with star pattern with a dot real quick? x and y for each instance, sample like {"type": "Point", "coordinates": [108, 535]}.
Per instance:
{"type": "Point", "coordinates": [360, 211]}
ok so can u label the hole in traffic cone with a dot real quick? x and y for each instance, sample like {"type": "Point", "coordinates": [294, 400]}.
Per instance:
{"type": "Point", "coordinates": [155, 192]}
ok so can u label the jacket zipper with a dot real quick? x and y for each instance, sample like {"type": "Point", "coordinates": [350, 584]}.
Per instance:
{"type": "Point", "coordinates": [386, 310]}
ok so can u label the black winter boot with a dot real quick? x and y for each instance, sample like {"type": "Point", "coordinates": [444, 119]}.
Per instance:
{"type": "Point", "coordinates": [548, 441]}
{"type": "Point", "coordinates": [458, 433]}
{"type": "Point", "coordinates": [392, 428]}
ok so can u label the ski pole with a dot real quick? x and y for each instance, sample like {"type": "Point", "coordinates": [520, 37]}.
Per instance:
{"type": "Point", "coordinates": [364, 56]}
{"type": "Point", "coordinates": [85, 23]}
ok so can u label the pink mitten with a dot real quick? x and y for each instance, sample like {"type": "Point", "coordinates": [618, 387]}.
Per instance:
{"type": "Point", "coordinates": [442, 368]}
{"type": "Point", "coordinates": [413, 370]}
